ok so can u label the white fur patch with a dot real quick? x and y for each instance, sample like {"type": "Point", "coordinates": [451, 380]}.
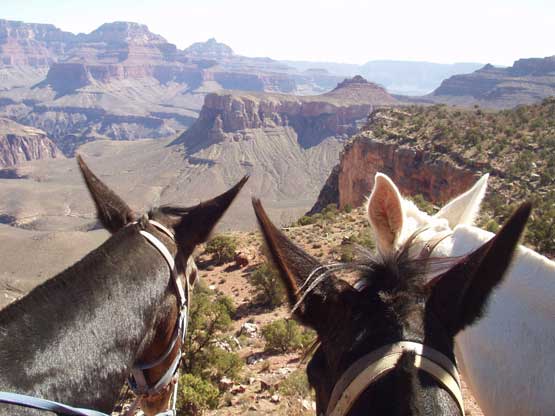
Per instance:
{"type": "Point", "coordinates": [508, 357]}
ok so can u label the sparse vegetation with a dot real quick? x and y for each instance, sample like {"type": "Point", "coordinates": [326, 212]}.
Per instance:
{"type": "Point", "coordinates": [423, 204]}
{"type": "Point", "coordinates": [206, 361]}
{"type": "Point", "coordinates": [195, 395]}
{"type": "Point", "coordinates": [365, 238]}
{"type": "Point", "coordinates": [330, 212]}
{"type": "Point", "coordinates": [296, 385]}
{"type": "Point", "coordinates": [286, 335]}
{"type": "Point", "coordinates": [267, 285]}
{"type": "Point", "coordinates": [306, 220]}
{"type": "Point", "coordinates": [222, 248]}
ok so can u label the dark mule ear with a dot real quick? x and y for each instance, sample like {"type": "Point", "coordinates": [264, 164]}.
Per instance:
{"type": "Point", "coordinates": [196, 223]}
{"type": "Point", "coordinates": [295, 266]}
{"type": "Point", "coordinates": [459, 297]}
{"type": "Point", "coordinates": [111, 210]}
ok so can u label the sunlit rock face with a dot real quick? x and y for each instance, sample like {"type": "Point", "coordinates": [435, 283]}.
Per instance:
{"type": "Point", "coordinates": [22, 143]}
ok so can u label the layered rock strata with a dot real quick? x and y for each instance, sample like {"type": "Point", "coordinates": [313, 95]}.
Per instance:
{"type": "Point", "coordinates": [339, 113]}
{"type": "Point", "coordinates": [22, 143]}
{"type": "Point", "coordinates": [527, 81]}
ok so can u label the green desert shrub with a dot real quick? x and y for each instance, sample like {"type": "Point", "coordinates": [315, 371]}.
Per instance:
{"type": "Point", "coordinates": [222, 248]}
{"type": "Point", "coordinates": [296, 385]}
{"type": "Point", "coordinates": [268, 287]}
{"type": "Point", "coordinates": [330, 212]}
{"type": "Point", "coordinates": [195, 395]}
{"type": "Point", "coordinates": [286, 335]}
{"type": "Point", "coordinates": [346, 253]}
{"type": "Point", "coordinates": [365, 238]}
{"type": "Point", "coordinates": [209, 319]}
{"type": "Point", "coordinates": [423, 204]}
{"type": "Point", "coordinates": [306, 220]}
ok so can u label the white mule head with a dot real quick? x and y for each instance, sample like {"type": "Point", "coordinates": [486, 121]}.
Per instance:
{"type": "Point", "coordinates": [394, 219]}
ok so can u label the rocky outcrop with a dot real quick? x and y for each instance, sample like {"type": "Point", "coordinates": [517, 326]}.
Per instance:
{"type": "Point", "coordinates": [534, 66]}
{"type": "Point", "coordinates": [415, 172]}
{"type": "Point", "coordinates": [229, 116]}
{"type": "Point", "coordinates": [527, 81]}
{"type": "Point", "coordinates": [126, 32]}
{"type": "Point", "coordinates": [211, 49]}
{"type": "Point", "coordinates": [31, 44]}
{"type": "Point", "coordinates": [20, 143]}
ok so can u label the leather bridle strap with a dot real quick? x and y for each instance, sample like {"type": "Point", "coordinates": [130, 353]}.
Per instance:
{"type": "Point", "coordinates": [138, 382]}
{"type": "Point", "coordinates": [378, 363]}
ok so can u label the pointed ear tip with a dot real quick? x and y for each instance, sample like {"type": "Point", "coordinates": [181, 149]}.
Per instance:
{"type": "Point", "coordinates": [256, 204]}
{"type": "Point", "coordinates": [244, 180]}
{"type": "Point", "coordinates": [483, 181]}
{"type": "Point", "coordinates": [524, 210]}
{"type": "Point", "coordinates": [80, 160]}
{"type": "Point", "coordinates": [381, 177]}
{"type": "Point", "coordinates": [258, 209]}
{"type": "Point", "coordinates": [518, 219]}
{"type": "Point", "coordinates": [239, 185]}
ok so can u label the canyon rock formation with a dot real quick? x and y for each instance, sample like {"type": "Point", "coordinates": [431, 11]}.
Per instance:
{"type": "Point", "coordinates": [22, 143]}
{"type": "Point", "coordinates": [527, 81]}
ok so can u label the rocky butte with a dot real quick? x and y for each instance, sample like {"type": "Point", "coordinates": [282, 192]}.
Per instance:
{"type": "Point", "coordinates": [234, 116]}
{"type": "Point", "coordinates": [527, 81]}
{"type": "Point", "coordinates": [22, 143]}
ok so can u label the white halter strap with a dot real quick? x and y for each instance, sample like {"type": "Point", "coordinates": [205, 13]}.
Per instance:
{"type": "Point", "coordinates": [378, 363]}
{"type": "Point", "coordinates": [170, 260]}
{"type": "Point", "coordinates": [138, 382]}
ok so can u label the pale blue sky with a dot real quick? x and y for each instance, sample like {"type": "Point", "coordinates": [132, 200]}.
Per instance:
{"type": "Point", "coordinates": [354, 31]}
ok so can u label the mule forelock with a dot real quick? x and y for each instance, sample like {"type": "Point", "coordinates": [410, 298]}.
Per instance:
{"type": "Point", "coordinates": [402, 271]}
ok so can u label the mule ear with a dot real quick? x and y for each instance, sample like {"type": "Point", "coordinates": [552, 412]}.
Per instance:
{"type": "Point", "coordinates": [295, 266]}
{"type": "Point", "coordinates": [196, 223]}
{"type": "Point", "coordinates": [111, 210]}
{"type": "Point", "coordinates": [459, 297]}
{"type": "Point", "coordinates": [386, 214]}
{"type": "Point", "coordinates": [464, 208]}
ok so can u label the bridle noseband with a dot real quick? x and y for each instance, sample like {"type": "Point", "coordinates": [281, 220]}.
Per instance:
{"type": "Point", "coordinates": [138, 381]}
{"type": "Point", "coordinates": [371, 367]}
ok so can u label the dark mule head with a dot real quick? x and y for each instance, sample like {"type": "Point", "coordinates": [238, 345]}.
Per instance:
{"type": "Point", "coordinates": [190, 226]}
{"type": "Point", "coordinates": [392, 302]}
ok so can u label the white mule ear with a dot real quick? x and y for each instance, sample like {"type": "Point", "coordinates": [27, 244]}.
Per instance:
{"type": "Point", "coordinates": [464, 208]}
{"type": "Point", "coordinates": [385, 212]}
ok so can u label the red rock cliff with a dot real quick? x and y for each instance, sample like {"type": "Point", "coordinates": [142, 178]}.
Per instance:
{"type": "Point", "coordinates": [20, 143]}
{"type": "Point", "coordinates": [436, 179]}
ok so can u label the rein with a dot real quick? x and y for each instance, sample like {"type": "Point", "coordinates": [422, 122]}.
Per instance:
{"type": "Point", "coordinates": [376, 364]}
{"type": "Point", "coordinates": [137, 380]}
